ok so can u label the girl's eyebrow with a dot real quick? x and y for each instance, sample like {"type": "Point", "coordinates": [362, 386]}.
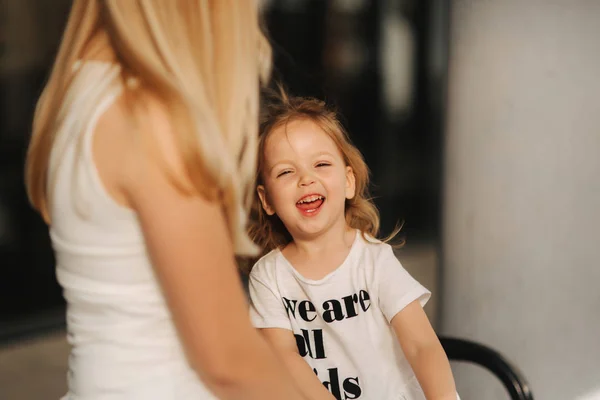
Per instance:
{"type": "Point", "coordinates": [323, 153]}
{"type": "Point", "coordinates": [272, 167]}
{"type": "Point", "coordinates": [319, 154]}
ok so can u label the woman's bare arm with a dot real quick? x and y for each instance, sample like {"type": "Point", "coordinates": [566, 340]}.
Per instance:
{"type": "Point", "coordinates": [284, 343]}
{"type": "Point", "coordinates": [191, 250]}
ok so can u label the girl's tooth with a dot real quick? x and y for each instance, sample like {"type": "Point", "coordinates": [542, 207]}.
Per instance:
{"type": "Point", "coordinates": [309, 199]}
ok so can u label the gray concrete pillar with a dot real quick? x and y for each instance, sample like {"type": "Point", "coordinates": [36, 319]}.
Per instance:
{"type": "Point", "coordinates": [521, 238]}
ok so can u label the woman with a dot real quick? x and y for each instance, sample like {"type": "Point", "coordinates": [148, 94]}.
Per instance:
{"type": "Point", "coordinates": [142, 162]}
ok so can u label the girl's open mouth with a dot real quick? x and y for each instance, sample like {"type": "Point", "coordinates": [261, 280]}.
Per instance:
{"type": "Point", "coordinates": [311, 204]}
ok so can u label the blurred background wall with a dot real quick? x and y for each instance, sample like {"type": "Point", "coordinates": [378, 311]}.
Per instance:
{"type": "Point", "coordinates": [29, 34]}
{"type": "Point", "coordinates": [522, 190]}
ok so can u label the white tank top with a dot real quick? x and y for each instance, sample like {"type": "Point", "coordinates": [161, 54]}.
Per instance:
{"type": "Point", "coordinates": [125, 346]}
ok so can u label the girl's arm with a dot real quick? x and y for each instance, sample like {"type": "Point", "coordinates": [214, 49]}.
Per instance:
{"type": "Point", "coordinates": [284, 343]}
{"type": "Point", "coordinates": [424, 352]}
{"type": "Point", "coordinates": [188, 242]}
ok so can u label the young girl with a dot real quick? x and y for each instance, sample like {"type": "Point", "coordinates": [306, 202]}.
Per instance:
{"type": "Point", "coordinates": [332, 300]}
{"type": "Point", "coordinates": [141, 161]}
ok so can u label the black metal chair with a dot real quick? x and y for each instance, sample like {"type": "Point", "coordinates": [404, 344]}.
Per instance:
{"type": "Point", "coordinates": [476, 353]}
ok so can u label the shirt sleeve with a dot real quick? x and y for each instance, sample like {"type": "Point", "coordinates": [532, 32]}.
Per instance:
{"type": "Point", "coordinates": [266, 305]}
{"type": "Point", "coordinates": [397, 288]}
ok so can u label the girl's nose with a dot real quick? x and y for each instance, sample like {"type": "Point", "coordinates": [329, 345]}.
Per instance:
{"type": "Point", "coordinates": [306, 180]}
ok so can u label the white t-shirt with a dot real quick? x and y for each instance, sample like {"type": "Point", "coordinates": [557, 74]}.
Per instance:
{"type": "Point", "coordinates": [342, 322]}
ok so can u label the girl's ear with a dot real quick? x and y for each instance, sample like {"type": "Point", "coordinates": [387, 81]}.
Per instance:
{"type": "Point", "coordinates": [262, 195]}
{"type": "Point", "coordinates": [350, 183]}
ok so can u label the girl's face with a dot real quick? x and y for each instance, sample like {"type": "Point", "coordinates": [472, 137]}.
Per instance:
{"type": "Point", "coordinates": [306, 181]}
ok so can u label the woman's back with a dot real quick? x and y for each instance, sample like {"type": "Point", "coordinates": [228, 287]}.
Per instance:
{"type": "Point", "coordinates": [124, 341]}
{"type": "Point", "coordinates": [145, 190]}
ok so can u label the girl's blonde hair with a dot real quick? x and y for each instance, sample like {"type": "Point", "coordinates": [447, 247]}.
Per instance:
{"type": "Point", "coordinates": [203, 59]}
{"type": "Point", "coordinates": [269, 232]}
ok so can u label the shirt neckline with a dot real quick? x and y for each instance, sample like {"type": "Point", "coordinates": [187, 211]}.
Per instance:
{"type": "Point", "coordinates": [353, 249]}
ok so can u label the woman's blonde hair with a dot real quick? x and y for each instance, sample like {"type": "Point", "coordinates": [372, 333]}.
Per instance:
{"type": "Point", "coordinates": [269, 232]}
{"type": "Point", "coordinates": [203, 59]}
